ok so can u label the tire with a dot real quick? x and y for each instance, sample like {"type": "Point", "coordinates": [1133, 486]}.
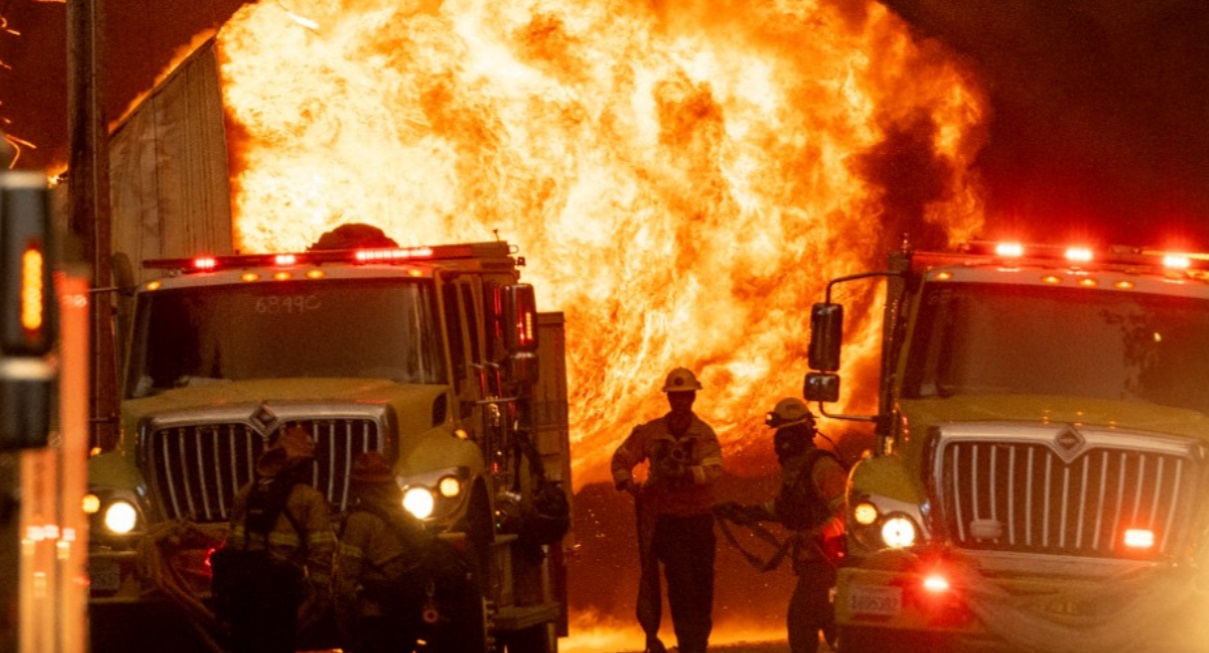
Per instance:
{"type": "Point", "coordinates": [468, 624]}
{"type": "Point", "coordinates": [534, 639]}
{"type": "Point", "coordinates": [471, 628]}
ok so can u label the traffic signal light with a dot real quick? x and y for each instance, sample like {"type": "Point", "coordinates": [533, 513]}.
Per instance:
{"type": "Point", "coordinates": [27, 316]}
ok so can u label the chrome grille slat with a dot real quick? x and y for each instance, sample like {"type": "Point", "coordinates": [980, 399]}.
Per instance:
{"type": "Point", "coordinates": [961, 522]}
{"type": "Point", "coordinates": [1082, 503]}
{"type": "Point", "coordinates": [196, 469]}
{"type": "Point", "coordinates": [1011, 492]}
{"type": "Point", "coordinates": [1100, 505]}
{"type": "Point", "coordinates": [1116, 520]}
{"type": "Point", "coordinates": [1158, 489]}
{"type": "Point", "coordinates": [1064, 505]}
{"type": "Point", "coordinates": [1028, 504]}
{"type": "Point", "coordinates": [1077, 503]}
{"type": "Point", "coordinates": [1173, 502]}
{"type": "Point", "coordinates": [1045, 506]}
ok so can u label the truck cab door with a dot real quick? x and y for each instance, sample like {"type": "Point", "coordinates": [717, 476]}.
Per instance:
{"type": "Point", "coordinates": [463, 330]}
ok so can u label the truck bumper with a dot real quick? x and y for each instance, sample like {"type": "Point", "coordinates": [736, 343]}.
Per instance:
{"type": "Point", "coordinates": [1168, 615]}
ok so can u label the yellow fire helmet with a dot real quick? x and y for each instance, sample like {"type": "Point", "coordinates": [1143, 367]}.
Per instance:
{"type": "Point", "coordinates": [789, 411]}
{"type": "Point", "coordinates": [681, 379]}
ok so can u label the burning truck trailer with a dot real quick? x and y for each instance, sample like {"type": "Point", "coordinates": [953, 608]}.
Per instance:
{"type": "Point", "coordinates": [434, 356]}
{"type": "Point", "coordinates": [1039, 478]}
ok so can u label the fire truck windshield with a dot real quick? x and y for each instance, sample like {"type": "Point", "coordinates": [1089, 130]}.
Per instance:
{"type": "Point", "coordinates": [981, 338]}
{"type": "Point", "coordinates": [333, 328]}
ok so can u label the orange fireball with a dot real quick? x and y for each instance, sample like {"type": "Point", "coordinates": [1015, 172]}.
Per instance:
{"type": "Point", "coordinates": [682, 177]}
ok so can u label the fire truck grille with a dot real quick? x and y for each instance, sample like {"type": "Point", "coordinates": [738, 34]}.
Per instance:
{"type": "Point", "coordinates": [1024, 497]}
{"type": "Point", "coordinates": [196, 469]}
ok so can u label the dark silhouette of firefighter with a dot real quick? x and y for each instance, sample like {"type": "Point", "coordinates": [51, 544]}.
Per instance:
{"type": "Point", "coordinates": [397, 584]}
{"type": "Point", "coordinates": [272, 578]}
{"type": "Point", "coordinates": [675, 519]}
{"type": "Point", "coordinates": [811, 504]}
{"type": "Point", "coordinates": [380, 592]}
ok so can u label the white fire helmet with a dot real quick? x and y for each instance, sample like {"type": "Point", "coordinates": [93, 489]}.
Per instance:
{"type": "Point", "coordinates": [681, 379]}
{"type": "Point", "coordinates": [789, 411]}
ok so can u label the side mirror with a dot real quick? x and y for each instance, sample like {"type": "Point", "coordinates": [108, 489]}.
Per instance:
{"type": "Point", "coordinates": [520, 319]}
{"type": "Point", "coordinates": [821, 387]}
{"type": "Point", "coordinates": [826, 336]}
{"type": "Point", "coordinates": [520, 332]}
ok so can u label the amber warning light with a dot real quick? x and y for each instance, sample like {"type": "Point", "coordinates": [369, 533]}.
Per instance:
{"type": "Point", "coordinates": [25, 289]}
{"type": "Point", "coordinates": [32, 272]}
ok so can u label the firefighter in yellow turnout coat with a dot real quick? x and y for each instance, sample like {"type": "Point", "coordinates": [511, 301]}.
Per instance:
{"type": "Point", "coordinates": [378, 593]}
{"type": "Point", "coordinates": [281, 527]}
{"type": "Point", "coordinates": [675, 522]}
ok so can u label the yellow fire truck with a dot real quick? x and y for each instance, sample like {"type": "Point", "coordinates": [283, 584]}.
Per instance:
{"type": "Point", "coordinates": [1039, 477]}
{"type": "Point", "coordinates": [434, 356]}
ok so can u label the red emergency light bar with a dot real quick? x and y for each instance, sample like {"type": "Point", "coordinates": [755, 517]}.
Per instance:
{"type": "Point", "coordinates": [498, 249]}
{"type": "Point", "coordinates": [1081, 255]}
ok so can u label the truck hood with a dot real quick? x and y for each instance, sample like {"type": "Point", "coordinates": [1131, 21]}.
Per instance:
{"type": "Point", "coordinates": [225, 392]}
{"type": "Point", "coordinates": [415, 407]}
{"type": "Point", "coordinates": [1124, 415]}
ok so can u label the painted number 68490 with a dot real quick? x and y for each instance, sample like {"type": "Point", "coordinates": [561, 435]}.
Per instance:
{"type": "Point", "coordinates": [287, 304]}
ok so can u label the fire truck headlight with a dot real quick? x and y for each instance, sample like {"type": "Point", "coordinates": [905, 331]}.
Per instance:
{"type": "Point", "coordinates": [419, 502]}
{"type": "Point", "coordinates": [899, 532]}
{"type": "Point", "coordinates": [121, 517]}
{"type": "Point", "coordinates": [449, 486]}
{"type": "Point", "coordinates": [865, 513]}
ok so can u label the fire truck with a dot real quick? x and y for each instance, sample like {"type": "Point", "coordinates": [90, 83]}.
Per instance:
{"type": "Point", "coordinates": [434, 356]}
{"type": "Point", "coordinates": [1038, 481]}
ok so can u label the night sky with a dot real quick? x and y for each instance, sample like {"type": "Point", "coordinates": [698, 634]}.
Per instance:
{"type": "Point", "coordinates": [1100, 113]}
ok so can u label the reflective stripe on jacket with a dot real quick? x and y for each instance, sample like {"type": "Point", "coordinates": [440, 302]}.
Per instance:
{"type": "Point", "coordinates": [307, 509]}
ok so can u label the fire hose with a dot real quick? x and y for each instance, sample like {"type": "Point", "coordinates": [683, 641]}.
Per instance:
{"type": "Point", "coordinates": [781, 548]}
{"type": "Point", "coordinates": [169, 579]}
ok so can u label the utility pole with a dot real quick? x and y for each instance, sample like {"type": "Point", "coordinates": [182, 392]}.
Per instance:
{"type": "Point", "coordinates": [89, 216]}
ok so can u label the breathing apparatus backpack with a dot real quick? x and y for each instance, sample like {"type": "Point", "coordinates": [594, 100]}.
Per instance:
{"type": "Point", "coordinates": [797, 505]}
{"type": "Point", "coordinates": [244, 573]}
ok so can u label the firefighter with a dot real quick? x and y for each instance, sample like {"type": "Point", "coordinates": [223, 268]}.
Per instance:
{"type": "Point", "coordinates": [379, 593]}
{"type": "Point", "coordinates": [675, 522]}
{"type": "Point", "coordinates": [811, 504]}
{"type": "Point", "coordinates": [282, 546]}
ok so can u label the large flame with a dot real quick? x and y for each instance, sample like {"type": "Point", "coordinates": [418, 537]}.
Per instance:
{"type": "Point", "coordinates": [682, 177]}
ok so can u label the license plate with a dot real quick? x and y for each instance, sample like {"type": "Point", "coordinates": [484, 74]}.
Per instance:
{"type": "Point", "coordinates": [104, 576]}
{"type": "Point", "coordinates": [875, 600]}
